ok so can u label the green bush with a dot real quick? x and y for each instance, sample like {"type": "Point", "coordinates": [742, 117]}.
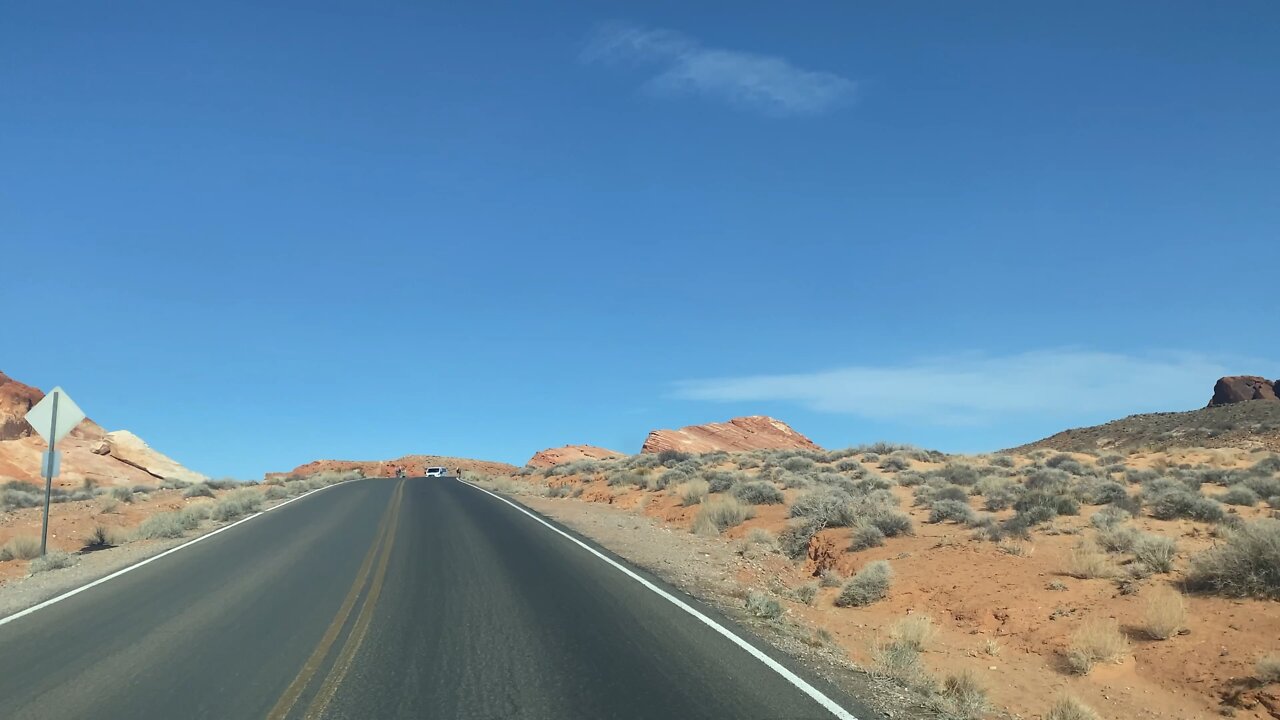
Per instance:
{"type": "Point", "coordinates": [758, 493]}
{"type": "Point", "coordinates": [198, 490]}
{"type": "Point", "coordinates": [870, 584]}
{"type": "Point", "coordinates": [725, 513]}
{"type": "Point", "coordinates": [763, 606]}
{"type": "Point", "coordinates": [953, 510]}
{"type": "Point", "coordinates": [865, 537]}
{"type": "Point", "coordinates": [1245, 564]}
{"type": "Point", "coordinates": [53, 560]}
{"type": "Point", "coordinates": [1239, 495]}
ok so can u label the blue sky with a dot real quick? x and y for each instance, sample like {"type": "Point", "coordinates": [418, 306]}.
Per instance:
{"type": "Point", "coordinates": [258, 234]}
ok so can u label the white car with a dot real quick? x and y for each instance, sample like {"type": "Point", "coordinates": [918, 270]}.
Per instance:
{"type": "Point", "coordinates": [437, 472]}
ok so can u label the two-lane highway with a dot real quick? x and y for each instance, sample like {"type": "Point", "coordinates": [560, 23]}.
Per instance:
{"type": "Point", "coordinates": [417, 598]}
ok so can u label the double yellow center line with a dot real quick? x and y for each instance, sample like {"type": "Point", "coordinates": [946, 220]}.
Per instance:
{"type": "Point", "coordinates": [379, 555]}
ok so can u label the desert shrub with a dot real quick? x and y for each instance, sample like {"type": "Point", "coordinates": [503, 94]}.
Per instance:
{"type": "Point", "coordinates": [123, 494]}
{"type": "Point", "coordinates": [193, 514]}
{"type": "Point", "coordinates": [626, 478]}
{"type": "Point", "coordinates": [963, 697]}
{"type": "Point", "coordinates": [1086, 562]}
{"type": "Point", "coordinates": [891, 523]}
{"type": "Point", "coordinates": [702, 525]}
{"type": "Point", "coordinates": [14, 497]}
{"type": "Point", "coordinates": [832, 507]}
{"type": "Point", "coordinates": [275, 492]}
{"type": "Point", "coordinates": [760, 536]}
{"type": "Point", "coordinates": [1117, 538]}
{"type": "Point", "coordinates": [100, 537]}
{"type": "Point", "coordinates": [166, 525]}
{"type": "Point", "coordinates": [1166, 614]}
{"type": "Point", "coordinates": [1239, 495]}
{"type": "Point", "coordinates": [932, 491]}
{"type": "Point", "coordinates": [763, 606]}
{"type": "Point", "coordinates": [237, 504]}
{"type": "Point", "coordinates": [914, 631]}
{"type": "Point", "coordinates": [719, 481]}
{"type": "Point", "coordinates": [22, 547]}
{"type": "Point", "coordinates": [797, 464]}
{"type": "Point", "coordinates": [725, 513]}
{"type": "Point", "coordinates": [1245, 564]}
{"type": "Point", "coordinates": [669, 458]}
{"type": "Point", "coordinates": [953, 510]}
{"type": "Point", "coordinates": [849, 465]}
{"type": "Point", "coordinates": [758, 493]}
{"type": "Point", "coordinates": [830, 577]}
{"type": "Point", "coordinates": [674, 476]}
{"type": "Point", "coordinates": [865, 537]}
{"type": "Point", "coordinates": [1109, 516]}
{"type": "Point", "coordinates": [1048, 480]}
{"type": "Point", "coordinates": [807, 592]}
{"type": "Point", "coordinates": [1096, 641]}
{"type": "Point", "coordinates": [694, 492]}
{"type": "Point", "coordinates": [895, 463]}
{"type": "Point", "coordinates": [1172, 504]}
{"type": "Point", "coordinates": [1262, 486]}
{"type": "Point", "coordinates": [1106, 492]}
{"type": "Point", "coordinates": [1000, 498]}
{"type": "Point", "coordinates": [872, 483]}
{"type": "Point", "coordinates": [1068, 708]}
{"type": "Point", "coordinates": [53, 560]}
{"type": "Point", "coordinates": [794, 540]}
{"type": "Point", "coordinates": [1041, 506]}
{"type": "Point", "coordinates": [792, 480]}
{"type": "Point", "coordinates": [1269, 465]}
{"type": "Point", "coordinates": [228, 483]}
{"type": "Point", "coordinates": [747, 462]}
{"type": "Point", "coordinates": [1268, 668]}
{"type": "Point", "coordinates": [1004, 461]}
{"type": "Point", "coordinates": [1155, 552]}
{"type": "Point", "coordinates": [957, 474]}
{"type": "Point", "coordinates": [898, 661]}
{"type": "Point", "coordinates": [868, 585]}
{"type": "Point", "coordinates": [198, 490]}
{"type": "Point", "coordinates": [910, 478]}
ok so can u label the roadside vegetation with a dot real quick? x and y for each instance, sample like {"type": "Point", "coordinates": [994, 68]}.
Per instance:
{"type": "Point", "coordinates": [1161, 527]}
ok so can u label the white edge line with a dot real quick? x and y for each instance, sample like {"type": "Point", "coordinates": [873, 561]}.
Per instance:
{"type": "Point", "coordinates": [817, 695]}
{"type": "Point", "coordinates": [153, 558]}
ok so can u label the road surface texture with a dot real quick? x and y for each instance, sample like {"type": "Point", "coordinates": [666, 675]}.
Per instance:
{"type": "Point", "coordinates": [417, 598]}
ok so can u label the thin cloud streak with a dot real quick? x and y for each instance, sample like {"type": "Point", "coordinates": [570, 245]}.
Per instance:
{"type": "Point", "coordinates": [984, 390]}
{"type": "Point", "coordinates": [764, 83]}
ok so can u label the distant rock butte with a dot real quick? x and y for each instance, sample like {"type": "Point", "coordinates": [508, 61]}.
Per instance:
{"type": "Point", "coordinates": [1242, 388]}
{"type": "Point", "coordinates": [571, 453]}
{"type": "Point", "coordinates": [88, 453]}
{"type": "Point", "coordinates": [413, 466]}
{"type": "Point", "coordinates": [756, 432]}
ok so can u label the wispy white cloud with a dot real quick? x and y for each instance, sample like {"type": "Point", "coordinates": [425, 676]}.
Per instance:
{"type": "Point", "coordinates": [765, 83]}
{"type": "Point", "coordinates": [982, 389]}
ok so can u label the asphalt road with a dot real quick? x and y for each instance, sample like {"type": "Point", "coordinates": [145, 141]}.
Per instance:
{"type": "Point", "coordinates": [422, 598]}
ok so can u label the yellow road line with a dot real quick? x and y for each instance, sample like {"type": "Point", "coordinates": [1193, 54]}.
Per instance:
{"type": "Point", "coordinates": [358, 631]}
{"type": "Point", "coordinates": [291, 694]}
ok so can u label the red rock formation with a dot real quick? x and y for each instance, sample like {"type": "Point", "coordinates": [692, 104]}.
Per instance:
{"type": "Point", "coordinates": [1241, 388]}
{"type": "Point", "coordinates": [87, 453]}
{"type": "Point", "coordinates": [756, 432]}
{"type": "Point", "coordinates": [570, 453]}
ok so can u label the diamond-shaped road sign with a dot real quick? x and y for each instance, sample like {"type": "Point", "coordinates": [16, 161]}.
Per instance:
{"type": "Point", "coordinates": [42, 418]}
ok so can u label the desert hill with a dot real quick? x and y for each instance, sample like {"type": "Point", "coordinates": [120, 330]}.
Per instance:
{"type": "Point", "coordinates": [1244, 413]}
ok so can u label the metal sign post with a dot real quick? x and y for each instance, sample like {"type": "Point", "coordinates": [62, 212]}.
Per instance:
{"type": "Point", "coordinates": [48, 476]}
{"type": "Point", "coordinates": [44, 415]}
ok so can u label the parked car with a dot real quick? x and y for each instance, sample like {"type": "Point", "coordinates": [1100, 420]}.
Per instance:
{"type": "Point", "coordinates": [437, 472]}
